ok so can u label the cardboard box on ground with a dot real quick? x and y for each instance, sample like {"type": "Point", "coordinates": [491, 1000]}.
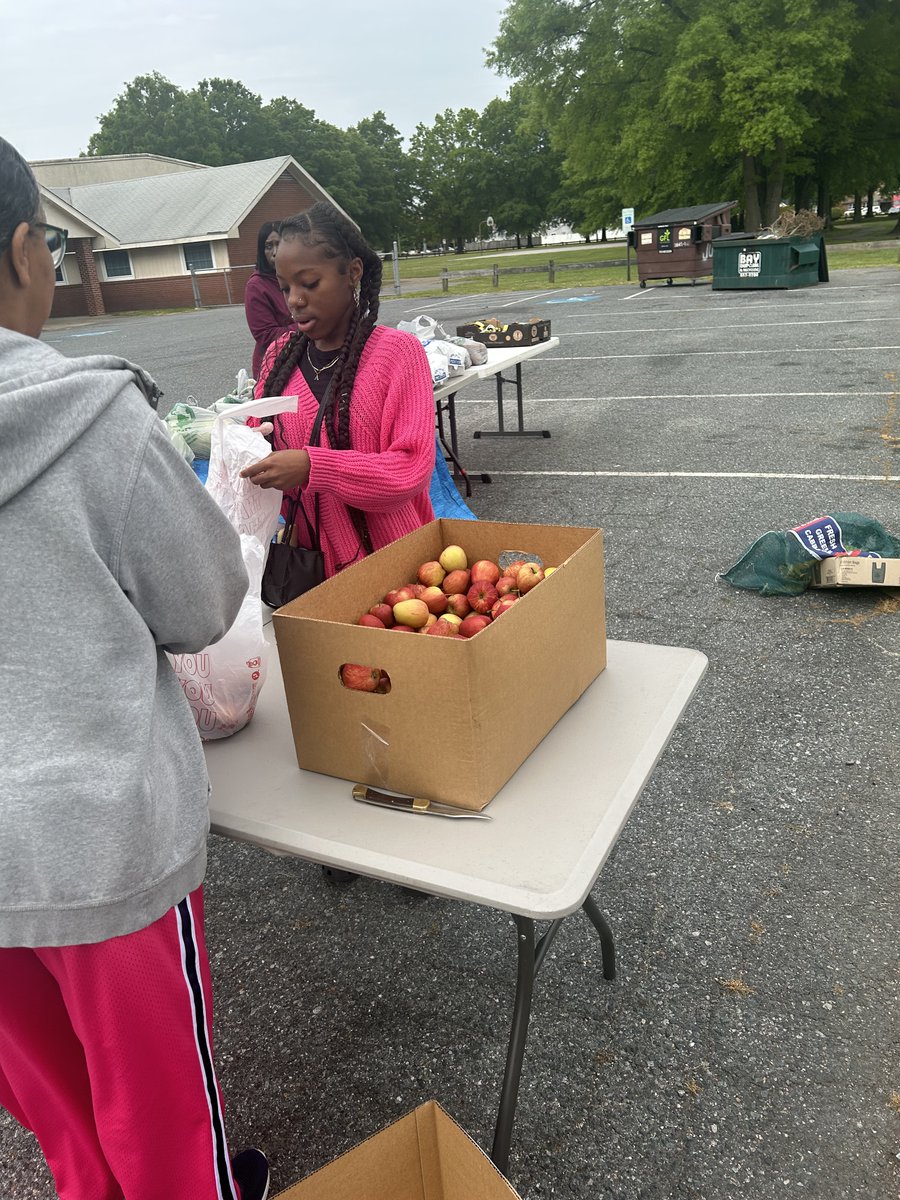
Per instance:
{"type": "Point", "coordinates": [853, 571]}
{"type": "Point", "coordinates": [423, 1156]}
{"type": "Point", "coordinates": [460, 716]}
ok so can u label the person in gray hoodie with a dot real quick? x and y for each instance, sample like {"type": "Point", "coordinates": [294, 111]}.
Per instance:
{"type": "Point", "coordinates": [111, 554]}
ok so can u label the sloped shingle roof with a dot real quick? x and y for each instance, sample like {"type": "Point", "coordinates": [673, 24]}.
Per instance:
{"type": "Point", "coordinates": [176, 207]}
{"type": "Point", "coordinates": [697, 212]}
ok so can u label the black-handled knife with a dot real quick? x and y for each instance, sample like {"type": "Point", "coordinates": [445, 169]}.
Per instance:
{"type": "Point", "coordinates": [431, 808]}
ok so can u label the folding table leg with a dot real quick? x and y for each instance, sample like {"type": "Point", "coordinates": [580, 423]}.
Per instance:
{"type": "Point", "coordinates": [450, 451]}
{"type": "Point", "coordinates": [509, 1093]}
{"type": "Point", "coordinates": [607, 944]}
{"type": "Point", "coordinates": [501, 431]}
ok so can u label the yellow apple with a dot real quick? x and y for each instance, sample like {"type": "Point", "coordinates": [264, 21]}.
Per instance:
{"type": "Point", "coordinates": [453, 558]}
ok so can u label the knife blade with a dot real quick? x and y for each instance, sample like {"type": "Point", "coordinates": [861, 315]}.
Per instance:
{"type": "Point", "coordinates": [416, 804]}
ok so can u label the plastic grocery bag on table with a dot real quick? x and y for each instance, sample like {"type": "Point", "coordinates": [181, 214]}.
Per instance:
{"type": "Point", "coordinates": [222, 683]}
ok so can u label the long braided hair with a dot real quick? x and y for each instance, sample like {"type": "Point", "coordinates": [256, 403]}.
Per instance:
{"type": "Point", "coordinates": [322, 225]}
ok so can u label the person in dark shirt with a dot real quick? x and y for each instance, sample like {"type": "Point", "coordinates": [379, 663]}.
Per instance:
{"type": "Point", "coordinates": [265, 307]}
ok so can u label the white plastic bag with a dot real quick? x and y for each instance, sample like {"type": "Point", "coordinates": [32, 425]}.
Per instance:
{"type": "Point", "coordinates": [240, 394]}
{"type": "Point", "coordinates": [192, 424]}
{"type": "Point", "coordinates": [445, 359]}
{"type": "Point", "coordinates": [223, 682]}
{"type": "Point", "coordinates": [422, 327]}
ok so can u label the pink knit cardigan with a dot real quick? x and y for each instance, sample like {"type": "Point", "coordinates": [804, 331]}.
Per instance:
{"type": "Point", "coordinates": [387, 473]}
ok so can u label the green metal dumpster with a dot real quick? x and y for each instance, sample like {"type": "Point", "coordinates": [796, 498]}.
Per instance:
{"type": "Point", "coordinates": [749, 261]}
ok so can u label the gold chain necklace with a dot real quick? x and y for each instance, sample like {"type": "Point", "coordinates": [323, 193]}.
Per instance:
{"type": "Point", "coordinates": [320, 370]}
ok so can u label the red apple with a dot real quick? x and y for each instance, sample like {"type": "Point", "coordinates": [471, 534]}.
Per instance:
{"type": "Point", "coordinates": [474, 623]}
{"type": "Point", "coordinates": [441, 629]}
{"type": "Point", "coordinates": [411, 612]}
{"type": "Point", "coordinates": [403, 629]}
{"type": "Point", "coordinates": [372, 622]}
{"type": "Point", "coordinates": [360, 679]}
{"type": "Point", "coordinates": [417, 589]}
{"type": "Point", "coordinates": [431, 574]}
{"type": "Point", "coordinates": [458, 605]}
{"type": "Point", "coordinates": [384, 684]}
{"type": "Point", "coordinates": [530, 574]}
{"type": "Point", "coordinates": [451, 619]}
{"type": "Point", "coordinates": [505, 584]}
{"type": "Point", "coordinates": [482, 597]}
{"type": "Point", "coordinates": [513, 568]}
{"type": "Point", "coordinates": [435, 599]}
{"type": "Point", "coordinates": [503, 605]}
{"type": "Point", "coordinates": [456, 582]}
{"type": "Point", "coordinates": [384, 613]}
{"type": "Point", "coordinates": [484, 571]}
{"type": "Point", "coordinates": [398, 595]}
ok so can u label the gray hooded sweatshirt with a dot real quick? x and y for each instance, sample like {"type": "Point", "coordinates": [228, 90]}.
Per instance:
{"type": "Point", "coordinates": [111, 553]}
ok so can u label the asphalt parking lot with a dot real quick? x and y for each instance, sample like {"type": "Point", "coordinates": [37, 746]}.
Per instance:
{"type": "Point", "coordinates": [750, 1047]}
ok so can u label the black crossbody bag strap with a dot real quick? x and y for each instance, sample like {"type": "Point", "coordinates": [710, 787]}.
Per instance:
{"type": "Point", "coordinates": [314, 436]}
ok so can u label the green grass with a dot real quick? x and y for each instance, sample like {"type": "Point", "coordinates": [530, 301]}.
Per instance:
{"type": "Point", "coordinates": [430, 266]}
{"type": "Point", "coordinates": [874, 230]}
{"type": "Point", "coordinates": [888, 257]}
{"type": "Point", "coordinates": [428, 269]}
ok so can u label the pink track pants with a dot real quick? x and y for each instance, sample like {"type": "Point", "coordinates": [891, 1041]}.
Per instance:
{"type": "Point", "coordinates": [106, 1055]}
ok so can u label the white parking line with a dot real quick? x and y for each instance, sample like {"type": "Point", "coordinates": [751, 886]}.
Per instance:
{"type": "Point", "coordinates": [690, 475]}
{"type": "Point", "coordinates": [548, 362]}
{"type": "Point", "coordinates": [464, 399]}
{"type": "Point", "coordinates": [522, 299]}
{"type": "Point", "coordinates": [669, 310]}
{"type": "Point", "coordinates": [742, 326]}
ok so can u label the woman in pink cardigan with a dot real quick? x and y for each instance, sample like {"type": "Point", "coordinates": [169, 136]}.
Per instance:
{"type": "Point", "coordinates": [372, 467]}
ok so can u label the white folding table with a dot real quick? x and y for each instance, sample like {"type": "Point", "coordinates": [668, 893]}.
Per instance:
{"type": "Point", "coordinates": [554, 823]}
{"type": "Point", "coordinates": [498, 361]}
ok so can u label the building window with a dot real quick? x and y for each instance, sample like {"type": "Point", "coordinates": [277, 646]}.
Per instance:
{"type": "Point", "coordinates": [198, 256]}
{"type": "Point", "coordinates": [117, 264]}
{"type": "Point", "coordinates": [61, 272]}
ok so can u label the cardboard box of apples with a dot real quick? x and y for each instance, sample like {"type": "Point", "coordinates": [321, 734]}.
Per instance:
{"type": "Point", "coordinates": [452, 712]}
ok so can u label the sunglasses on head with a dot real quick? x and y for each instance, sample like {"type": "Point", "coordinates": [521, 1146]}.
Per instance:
{"type": "Point", "coordinates": [55, 238]}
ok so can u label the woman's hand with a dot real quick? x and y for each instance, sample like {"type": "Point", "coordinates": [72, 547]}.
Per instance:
{"type": "Point", "coordinates": [282, 469]}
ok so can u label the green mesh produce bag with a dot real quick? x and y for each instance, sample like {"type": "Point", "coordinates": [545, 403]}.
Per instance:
{"type": "Point", "coordinates": [782, 563]}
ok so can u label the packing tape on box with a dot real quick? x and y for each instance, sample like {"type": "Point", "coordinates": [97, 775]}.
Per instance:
{"type": "Point", "coordinates": [376, 747]}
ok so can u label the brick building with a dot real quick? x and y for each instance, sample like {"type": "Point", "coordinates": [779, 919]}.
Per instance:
{"type": "Point", "coordinates": [150, 232]}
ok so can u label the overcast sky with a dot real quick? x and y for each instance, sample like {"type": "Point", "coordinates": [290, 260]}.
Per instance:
{"type": "Point", "coordinates": [64, 64]}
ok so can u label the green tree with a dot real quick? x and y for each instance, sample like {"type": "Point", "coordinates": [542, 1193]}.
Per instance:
{"type": "Point", "coordinates": [671, 102]}
{"type": "Point", "coordinates": [153, 116]}
{"type": "Point", "coordinates": [386, 179]}
{"type": "Point", "coordinates": [221, 121]}
{"type": "Point", "coordinates": [238, 115]}
{"type": "Point", "coordinates": [521, 183]}
{"type": "Point", "coordinates": [448, 167]}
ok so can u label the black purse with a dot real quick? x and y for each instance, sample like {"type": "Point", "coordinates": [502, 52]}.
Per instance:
{"type": "Point", "coordinates": [292, 570]}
